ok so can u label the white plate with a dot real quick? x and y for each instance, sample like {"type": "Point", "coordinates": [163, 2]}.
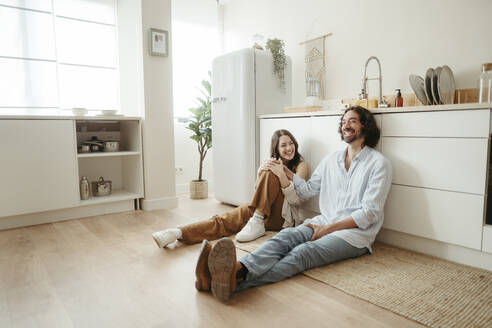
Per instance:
{"type": "Point", "coordinates": [434, 82]}
{"type": "Point", "coordinates": [417, 84]}
{"type": "Point", "coordinates": [428, 86]}
{"type": "Point", "coordinates": [446, 85]}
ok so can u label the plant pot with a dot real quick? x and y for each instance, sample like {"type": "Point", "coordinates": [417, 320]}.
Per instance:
{"type": "Point", "coordinates": [198, 189]}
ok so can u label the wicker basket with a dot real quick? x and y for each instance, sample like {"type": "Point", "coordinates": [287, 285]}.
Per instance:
{"type": "Point", "coordinates": [198, 189]}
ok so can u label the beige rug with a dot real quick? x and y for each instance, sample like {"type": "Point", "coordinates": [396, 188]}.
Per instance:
{"type": "Point", "coordinates": [431, 291]}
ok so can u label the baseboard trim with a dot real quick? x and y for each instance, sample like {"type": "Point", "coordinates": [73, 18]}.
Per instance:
{"type": "Point", "coordinates": [159, 203]}
{"type": "Point", "coordinates": [25, 220]}
{"type": "Point", "coordinates": [438, 249]}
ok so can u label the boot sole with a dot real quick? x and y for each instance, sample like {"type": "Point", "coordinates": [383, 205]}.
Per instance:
{"type": "Point", "coordinates": [221, 263]}
{"type": "Point", "coordinates": [202, 263]}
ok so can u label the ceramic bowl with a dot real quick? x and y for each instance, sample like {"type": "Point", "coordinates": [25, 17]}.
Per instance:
{"type": "Point", "coordinates": [79, 111]}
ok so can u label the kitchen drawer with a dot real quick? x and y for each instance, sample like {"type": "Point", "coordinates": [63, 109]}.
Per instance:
{"type": "Point", "coordinates": [463, 123]}
{"type": "Point", "coordinates": [450, 217]}
{"type": "Point", "coordinates": [487, 239]}
{"type": "Point", "coordinates": [455, 164]}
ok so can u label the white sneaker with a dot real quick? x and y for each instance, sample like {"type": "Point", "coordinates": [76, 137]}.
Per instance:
{"type": "Point", "coordinates": [165, 237]}
{"type": "Point", "coordinates": [254, 229]}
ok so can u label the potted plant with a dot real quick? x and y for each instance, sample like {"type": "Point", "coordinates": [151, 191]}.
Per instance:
{"type": "Point", "coordinates": [276, 47]}
{"type": "Point", "coordinates": [201, 126]}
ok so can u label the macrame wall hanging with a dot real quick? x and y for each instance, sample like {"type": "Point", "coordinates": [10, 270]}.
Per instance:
{"type": "Point", "coordinates": [314, 58]}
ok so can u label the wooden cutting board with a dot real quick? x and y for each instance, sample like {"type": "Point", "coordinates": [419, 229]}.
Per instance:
{"type": "Point", "coordinates": [302, 109]}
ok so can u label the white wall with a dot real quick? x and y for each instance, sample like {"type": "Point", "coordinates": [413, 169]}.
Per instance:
{"type": "Point", "coordinates": [130, 57]}
{"type": "Point", "coordinates": [195, 44]}
{"type": "Point", "coordinates": [407, 36]}
{"type": "Point", "coordinates": [187, 158]}
{"type": "Point", "coordinates": [158, 134]}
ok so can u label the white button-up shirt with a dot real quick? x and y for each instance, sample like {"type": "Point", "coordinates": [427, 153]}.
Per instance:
{"type": "Point", "coordinates": [359, 193]}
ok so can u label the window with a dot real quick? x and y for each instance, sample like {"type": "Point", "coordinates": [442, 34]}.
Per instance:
{"type": "Point", "coordinates": [58, 54]}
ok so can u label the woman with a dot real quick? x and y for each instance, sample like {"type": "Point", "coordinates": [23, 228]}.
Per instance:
{"type": "Point", "coordinates": [273, 206]}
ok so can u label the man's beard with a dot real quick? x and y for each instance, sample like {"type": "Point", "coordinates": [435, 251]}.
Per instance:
{"type": "Point", "coordinates": [351, 138]}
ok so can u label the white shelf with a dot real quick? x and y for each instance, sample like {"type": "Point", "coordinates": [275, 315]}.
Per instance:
{"type": "Point", "coordinates": [109, 154]}
{"type": "Point", "coordinates": [116, 195]}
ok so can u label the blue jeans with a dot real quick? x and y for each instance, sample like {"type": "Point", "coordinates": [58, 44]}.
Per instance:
{"type": "Point", "coordinates": [291, 252]}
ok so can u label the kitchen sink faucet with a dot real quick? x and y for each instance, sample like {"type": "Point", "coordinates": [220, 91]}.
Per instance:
{"type": "Point", "coordinates": [364, 94]}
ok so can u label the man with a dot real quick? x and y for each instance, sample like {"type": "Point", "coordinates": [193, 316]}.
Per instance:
{"type": "Point", "coordinates": [352, 185]}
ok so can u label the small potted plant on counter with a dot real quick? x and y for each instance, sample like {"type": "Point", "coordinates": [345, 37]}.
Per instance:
{"type": "Point", "coordinates": [276, 47]}
{"type": "Point", "coordinates": [201, 126]}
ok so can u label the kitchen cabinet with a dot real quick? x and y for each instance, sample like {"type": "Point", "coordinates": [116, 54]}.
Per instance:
{"type": "Point", "coordinates": [122, 168]}
{"type": "Point", "coordinates": [38, 166]}
{"type": "Point", "coordinates": [430, 213]}
{"type": "Point", "coordinates": [42, 168]}
{"type": "Point", "coordinates": [487, 239]}
{"type": "Point", "coordinates": [453, 123]}
{"type": "Point", "coordinates": [440, 158]}
{"type": "Point", "coordinates": [438, 163]}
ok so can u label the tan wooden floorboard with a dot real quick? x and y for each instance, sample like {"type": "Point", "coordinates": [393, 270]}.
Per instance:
{"type": "Point", "coordinates": [106, 271]}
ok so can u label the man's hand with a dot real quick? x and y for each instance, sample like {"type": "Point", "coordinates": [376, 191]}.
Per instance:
{"type": "Point", "coordinates": [319, 230]}
{"type": "Point", "coordinates": [288, 173]}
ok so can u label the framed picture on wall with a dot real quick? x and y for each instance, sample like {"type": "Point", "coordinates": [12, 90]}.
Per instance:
{"type": "Point", "coordinates": [159, 42]}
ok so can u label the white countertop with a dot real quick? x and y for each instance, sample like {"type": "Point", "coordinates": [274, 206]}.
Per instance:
{"type": "Point", "coordinates": [70, 117]}
{"type": "Point", "coordinates": [387, 110]}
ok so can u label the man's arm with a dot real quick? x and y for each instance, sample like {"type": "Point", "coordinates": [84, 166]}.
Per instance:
{"type": "Point", "coordinates": [375, 196]}
{"type": "Point", "coordinates": [312, 187]}
{"type": "Point", "coordinates": [289, 192]}
{"type": "Point", "coordinates": [321, 230]}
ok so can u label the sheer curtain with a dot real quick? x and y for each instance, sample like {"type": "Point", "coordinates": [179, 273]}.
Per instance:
{"type": "Point", "coordinates": [58, 54]}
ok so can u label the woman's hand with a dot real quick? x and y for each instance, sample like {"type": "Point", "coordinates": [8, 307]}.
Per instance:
{"type": "Point", "coordinates": [277, 168]}
{"type": "Point", "coordinates": [265, 164]}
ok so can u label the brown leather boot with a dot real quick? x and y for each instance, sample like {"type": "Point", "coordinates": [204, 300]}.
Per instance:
{"type": "Point", "coordinates": [201, 271]}
{"type": "Point", "coordinates": [223, 267]}
{"type": "Point", "coordinates": [234, 281]}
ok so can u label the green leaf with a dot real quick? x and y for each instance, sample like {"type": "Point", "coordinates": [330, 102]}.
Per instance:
{"type": "Point", "coordinates": [200, 122]}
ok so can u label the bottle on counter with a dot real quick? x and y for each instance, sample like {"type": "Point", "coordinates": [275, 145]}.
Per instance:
{"type": "Point", "coordinates": [84, 188]}
{"type": "Point", "coordinates": [398, 98]}
{"type": "Point", "coordinates": [485, 84]}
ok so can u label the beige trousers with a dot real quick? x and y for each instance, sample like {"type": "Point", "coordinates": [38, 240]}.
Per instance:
{"type": "Point", "coordinates": [268, 198]}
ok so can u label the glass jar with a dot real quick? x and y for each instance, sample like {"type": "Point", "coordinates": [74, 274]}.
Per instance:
{"type": "Point", "coordinates": [485, 84]}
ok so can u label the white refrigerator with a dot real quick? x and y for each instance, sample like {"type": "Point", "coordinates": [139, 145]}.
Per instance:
{"type": "Point", "coordinates": [243, 87]}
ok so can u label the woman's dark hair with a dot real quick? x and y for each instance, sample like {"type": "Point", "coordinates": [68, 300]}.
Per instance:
{"type": "Point", "coordinates": [370, 130]}
{"type": "Point", "coordinates": [292, 164]}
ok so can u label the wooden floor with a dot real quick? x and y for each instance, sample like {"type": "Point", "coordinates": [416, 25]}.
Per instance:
{"type": "Point", "coordinates": [106, 271]}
